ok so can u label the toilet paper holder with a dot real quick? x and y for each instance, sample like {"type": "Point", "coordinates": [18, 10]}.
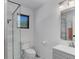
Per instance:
{"type": "Point", "coordinates": [44, 42]}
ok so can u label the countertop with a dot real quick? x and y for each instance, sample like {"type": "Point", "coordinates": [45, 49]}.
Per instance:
{"type": "Point", "coordinates": [66, 49]}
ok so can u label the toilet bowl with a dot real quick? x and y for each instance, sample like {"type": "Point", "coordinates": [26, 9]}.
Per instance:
{"type": "Point", "coordinates": [29, 53]}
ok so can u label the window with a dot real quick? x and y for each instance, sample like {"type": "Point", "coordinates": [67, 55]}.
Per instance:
{"type": "Point", "coordinates": [23, 21]}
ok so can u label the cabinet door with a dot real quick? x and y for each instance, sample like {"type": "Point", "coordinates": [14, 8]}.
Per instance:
{"type": "Point", "coordinates": [55, 56]}
{"type": "Point", "coordinates": [59, 55]}
{"type": "Point", "coordinates": [71, 57]}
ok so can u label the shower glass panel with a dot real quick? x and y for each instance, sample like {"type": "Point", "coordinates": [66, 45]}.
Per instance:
{"type": "Point", "coordinates": [16, 34]}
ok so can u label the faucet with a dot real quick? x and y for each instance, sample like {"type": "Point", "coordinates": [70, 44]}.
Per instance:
{"type": "Point", "coordinates": [72, 43]}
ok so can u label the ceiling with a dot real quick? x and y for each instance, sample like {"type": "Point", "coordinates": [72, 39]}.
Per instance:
{"type": "Point", "coordinates": [33, 4]}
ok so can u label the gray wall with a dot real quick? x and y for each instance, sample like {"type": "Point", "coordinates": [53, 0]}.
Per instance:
{"type": "Point", "coordinates": [47, 29]}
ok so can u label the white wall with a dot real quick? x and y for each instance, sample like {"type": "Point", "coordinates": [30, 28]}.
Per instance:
{"type": "Point", "coordinates": [47, 28]}
{"type": "Point", "coordinates": [27, 34]}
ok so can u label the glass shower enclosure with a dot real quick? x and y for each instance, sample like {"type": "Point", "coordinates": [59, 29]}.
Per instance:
{"type": "Point", "coordinates": [12, 32]}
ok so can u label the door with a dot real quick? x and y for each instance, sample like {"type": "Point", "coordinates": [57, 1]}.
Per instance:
{"type": "Point", "coordinates": [71, 57]}
{"type": "Point", "coordinates": [17, 36]}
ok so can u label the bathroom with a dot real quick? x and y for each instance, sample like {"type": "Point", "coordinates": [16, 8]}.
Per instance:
{"type": "Point", "coordinates": [45, 31]}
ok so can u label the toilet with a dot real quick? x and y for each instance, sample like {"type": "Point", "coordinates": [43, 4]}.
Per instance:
{"type": "Point", "coordinates": [29, 53]}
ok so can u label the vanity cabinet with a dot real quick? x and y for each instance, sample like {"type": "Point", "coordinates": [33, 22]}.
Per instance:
{"type": "Point", "coordinates": [60, 54]}
{"type": "Point", "coordinates": [71, 57]}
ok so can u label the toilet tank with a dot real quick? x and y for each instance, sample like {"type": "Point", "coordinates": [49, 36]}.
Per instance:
{"type": "Point", "coordinates": [26, 45]}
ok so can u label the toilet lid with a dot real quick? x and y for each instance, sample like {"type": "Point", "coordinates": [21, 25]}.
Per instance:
{"type": "Point", "coordinates": [30, 51]}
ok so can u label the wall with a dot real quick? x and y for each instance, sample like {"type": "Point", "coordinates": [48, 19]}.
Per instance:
{"type": "Point", "coordinates": [27, 34]}
{"type": "Point", "coordinates": [5, 30]}
{"type": "Point", "coordinates": [47, 29]}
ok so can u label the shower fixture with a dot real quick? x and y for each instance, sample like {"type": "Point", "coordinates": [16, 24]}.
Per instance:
{"type": "Point", "coordinates": [8, 20]}
{"type": "Point", "coordinates": [16, 4]}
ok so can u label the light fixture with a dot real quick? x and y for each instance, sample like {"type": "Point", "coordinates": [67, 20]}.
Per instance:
{"type": "Point", "coordinates": [71, 3]}
{"type": "Point", "coordinates": [66, 4]}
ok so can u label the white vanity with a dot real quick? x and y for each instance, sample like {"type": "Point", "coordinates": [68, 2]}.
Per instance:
{"type": "Point", "coordinates": [63, 52]}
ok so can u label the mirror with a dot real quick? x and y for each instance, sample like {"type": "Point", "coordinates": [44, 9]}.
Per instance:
{"type": "Point", "coordinates": [68, 24]}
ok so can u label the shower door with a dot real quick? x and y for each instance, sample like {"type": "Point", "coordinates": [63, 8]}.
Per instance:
{"type": "Point", "coordinates": [17, 37]}
{"type": "Point", "coordinates": [12, 33]}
